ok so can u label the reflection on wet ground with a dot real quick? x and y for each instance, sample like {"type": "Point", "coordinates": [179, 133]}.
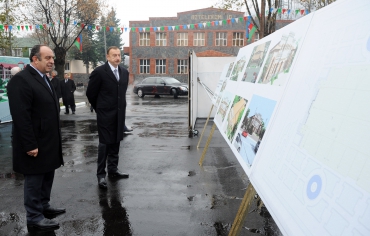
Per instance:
{"type": "Point", "coordinates": [167, 192]}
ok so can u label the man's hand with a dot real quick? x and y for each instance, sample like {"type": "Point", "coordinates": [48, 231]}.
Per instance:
{"type": "Point", "coordinates": [33, 152]}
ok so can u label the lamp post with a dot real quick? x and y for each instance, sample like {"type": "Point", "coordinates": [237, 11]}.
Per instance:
{"type": "Point", "coordinates": [21, 65]}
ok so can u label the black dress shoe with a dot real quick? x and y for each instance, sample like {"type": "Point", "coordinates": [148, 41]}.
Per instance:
{"type": "Point", "coordinates": [44, 224]}
{"type": "Point", "coordinates": [118, 175]}
{"type": "Point", "coordinates": [73, 112]}
{"type": "Point", "coordinates": [102, 183]}
{"type": "Point", "coordinates": [66, 113]}
{"type": "Point", "coordinates": [54, 211]}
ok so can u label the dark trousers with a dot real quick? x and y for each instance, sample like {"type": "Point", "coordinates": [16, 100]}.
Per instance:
{"type": "Point", "coordinates": [73, 108]}
{"type": "Point", "coordinates": [107, 153]}
{"type": "Point", "coordinates": [37, 189]}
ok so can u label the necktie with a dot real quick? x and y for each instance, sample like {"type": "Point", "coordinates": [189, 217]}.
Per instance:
{"type": "Point", "coordinates": [46, 81]}
{"type": "Point", "coordinates": [116, 74]}
{"type": "Point", "coordinates": [66, 80]}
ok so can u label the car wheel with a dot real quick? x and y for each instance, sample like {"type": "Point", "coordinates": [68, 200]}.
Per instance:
{"type": "Point", "coordinates": [140, 93]}
{"type": "Point", "coordinates": [174, 93]}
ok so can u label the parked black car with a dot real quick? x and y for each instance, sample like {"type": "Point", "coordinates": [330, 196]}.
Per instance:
{"type": "Point", "coordinates": [161, 86]}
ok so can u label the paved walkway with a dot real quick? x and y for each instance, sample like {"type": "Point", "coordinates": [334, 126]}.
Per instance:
{"type": "Point", "coordinates": [167, 193]}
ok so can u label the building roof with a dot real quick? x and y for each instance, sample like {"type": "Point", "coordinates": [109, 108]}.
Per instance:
{"type": "Point", "coordinates": [25, 42]}
{"type": "Point", "coordinates": [212, 53]}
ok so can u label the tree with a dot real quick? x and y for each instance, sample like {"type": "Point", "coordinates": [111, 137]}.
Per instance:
{"type": "Point", "coordinates": [89, 52]}
{"type": "Point", "coordinates": [60, 22]}
{"type": "Point", "coordinates": [258, 9]}
{"type": "Point", "coordinates": [6, 18]}
{"type": "Point", "coordinates": [111, 38]}
{"type": "Point", "coordinates": [315, 4]}
{"type": "Point", "coordinates": [265, 24]}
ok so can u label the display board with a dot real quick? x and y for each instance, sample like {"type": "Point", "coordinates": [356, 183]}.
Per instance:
{"type": "Point", "coordinates": [4, 104]}
{"type": "Point", "coordinates": [295, 109]}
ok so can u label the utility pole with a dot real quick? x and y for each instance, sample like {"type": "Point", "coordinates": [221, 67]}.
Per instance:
{"type": "Point", "coordinates": [105, 42]}
{"type": "Point", "coordinates": [7, 22]}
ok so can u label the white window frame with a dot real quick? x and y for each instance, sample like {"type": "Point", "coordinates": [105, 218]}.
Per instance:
{"type": "Point", "coordinates": [182, 66]}
{"type": "Point", "coordinates": [160, 66]}
{"type": "Point", "coordinates": [221, 39]}
{"type": "Point", "coordinates": [160, 39]}
{"type": "Point", "coordinates": [182, 39]}
{"type": "Point", "coordinates": [256, 37]}
{"type": "Point", "coordinates": [17, 52]}
{"type": "Point", "coordinates": [67, 66]}
{"type": "Point", "coordinates": [144, 66]}
{"type": "Point", "coordinates": [238, 39]}
{"type": "Point", "coordinates": [5, 73]}
{"type": "Point", "coordinates": [199, 39]}
{"type": "Point", "coordinates": [144, 39]}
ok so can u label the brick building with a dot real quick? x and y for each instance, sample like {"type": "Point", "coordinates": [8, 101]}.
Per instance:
{"type": "Point", "coordinates": [160, 46]}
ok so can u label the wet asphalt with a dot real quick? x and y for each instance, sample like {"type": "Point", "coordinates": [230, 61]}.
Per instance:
{"type": "Point", "coordinates": [167, 192]}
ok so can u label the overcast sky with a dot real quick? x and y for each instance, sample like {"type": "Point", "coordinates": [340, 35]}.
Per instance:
{"type": "Point", "coordinates": [143, 9]}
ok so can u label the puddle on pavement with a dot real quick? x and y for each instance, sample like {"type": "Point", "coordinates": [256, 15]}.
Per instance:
{"type": "Point", "coordinates": [12, 175]}
{"type": "Point", "coordinates": [191, 173]}
{"type": "Point", "coordinates": [164, 129]}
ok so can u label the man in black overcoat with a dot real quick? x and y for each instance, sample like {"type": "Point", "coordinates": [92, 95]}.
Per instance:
{"type": "Point", "coordinates": [68, 87]}
{"type": "Point", "coordinates": [106, 92]}
{"type": "Point", "coordinates": [36, 135]}
{"type": "Point", "coordinates": [55, 81]}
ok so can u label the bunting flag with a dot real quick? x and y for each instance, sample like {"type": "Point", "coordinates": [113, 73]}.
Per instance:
{"type": "Point", "coordinates": [78, 42]}
{"type": "Point", "coordinates": [230, 21]}
{"type": "Point", "coordinates": [251, 30]}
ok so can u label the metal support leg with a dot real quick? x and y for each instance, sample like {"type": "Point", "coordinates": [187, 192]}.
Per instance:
{"type": "Point", "coordinates": [207, 144]}
{"type": "Point", "coordinates": [205, 125]}
{"type": "Point", "coordinates": [243, 210]}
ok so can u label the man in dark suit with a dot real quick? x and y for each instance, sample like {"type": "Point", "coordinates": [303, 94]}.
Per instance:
{"type": "Point", "coordinates": [36, 135]}
{"type": "Point", "coordinates": [106, 92]}
{"type": "Point", "coordinates": [55, 81]}
{"type": "Point", "coordinates": [68, 87]}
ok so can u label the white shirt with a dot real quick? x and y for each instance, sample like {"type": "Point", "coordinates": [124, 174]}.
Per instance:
{"type": "Point", "coordinates": [113, 68]}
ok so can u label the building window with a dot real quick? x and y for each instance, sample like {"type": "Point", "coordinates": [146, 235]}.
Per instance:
{"type": "Point", "coordinates": [17, 52]}
{"type": "Point", "coordinates": [66, 66]}
{"type": "Point", "coordinates": [182, 66]}
{"type": "Point", "coordinates": [160, 66]}
{"type": "Point", "coordinates": [144, 66]}
{"type": "Point", "coordinates": [238, 39]}
{"type": "Point", "coordinates": [221, 38]}
{"type": "Point", "coordinates": [182, 39]}
{"type": "Point", "coordinates": [2, 52]}
{"type": "Point", "coordinates": [256, 37]}
{"type": "Point", "coordinates": [160, 39]}
{"type": "Point", "coordinates": [199, 39]}
{"type": "Point", "coordinates": [144, 39]}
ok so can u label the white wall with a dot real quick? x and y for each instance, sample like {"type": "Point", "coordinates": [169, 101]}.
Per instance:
{"type": "Point", "coordinates": [77, 66]}
{"type": "Point", "coordinates": [209, 72]}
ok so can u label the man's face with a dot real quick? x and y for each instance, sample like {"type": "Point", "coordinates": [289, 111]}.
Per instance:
{"type": "Point", "coordinates": [65, 76]}
{"type": "Point", "coordinates": [114, 57]}
{"type": "Point", "coordinates": [46, 63]}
